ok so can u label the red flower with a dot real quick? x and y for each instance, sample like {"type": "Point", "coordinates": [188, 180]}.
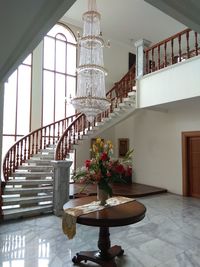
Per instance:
{"type": "Point", "coordinates": [104, 156]}
{"type": "Point", "coordinates": [129, 171]}
{"type": "Point", "coordinates": [87, 163]}
{"type": "Point", "coordinates": [120, 168]}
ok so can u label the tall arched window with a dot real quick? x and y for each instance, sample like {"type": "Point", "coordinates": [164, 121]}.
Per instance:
{"type": "Point", "coordinates": [59, 74]}
{"type": "Point", "coordinates": [17, 104]}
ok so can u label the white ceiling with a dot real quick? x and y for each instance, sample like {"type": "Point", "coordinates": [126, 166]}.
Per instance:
{"type": "Point", "coordinates": [127, 19]}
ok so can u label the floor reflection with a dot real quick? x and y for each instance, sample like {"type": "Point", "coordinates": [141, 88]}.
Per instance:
{"type": "Point", "coordinates": [16, 253]}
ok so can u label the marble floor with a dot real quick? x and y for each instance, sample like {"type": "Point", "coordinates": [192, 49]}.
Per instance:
{"type": "Point", "coordinates": [169, 236]}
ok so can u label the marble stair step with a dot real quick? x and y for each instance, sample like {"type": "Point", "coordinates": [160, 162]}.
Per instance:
{"type": "Point", "coordinates": [26, 200]}
{"type": "Point", "coordinates": [39, 161]}
{"type": "Point", "coordinates": [29, 182]}
{"type": "Point", "coordinates": [32, 168]}
{"type": "Point", "coordinates": [26, 212]}
{"type": "Point", "coordinates": [32, 174]}
{"type": "Point", "coordinates": [31, 190]}
{"type": "Point", "coordinates": [43, 156]}
{"type": "Point", "coordinates": [47, 150]}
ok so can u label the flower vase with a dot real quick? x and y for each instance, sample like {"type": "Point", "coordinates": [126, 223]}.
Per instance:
{"type": "Point", "coordinates": [102, 196]}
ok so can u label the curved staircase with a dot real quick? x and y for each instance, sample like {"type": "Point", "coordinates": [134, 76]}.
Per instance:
{"type": "Point", "coordinates": [28, 172]}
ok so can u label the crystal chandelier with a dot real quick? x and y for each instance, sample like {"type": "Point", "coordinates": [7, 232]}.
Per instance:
{"type": "Point", "coordinates": [90, 98]}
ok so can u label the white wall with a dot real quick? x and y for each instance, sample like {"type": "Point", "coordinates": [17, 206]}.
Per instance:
{"type": "Point", "coordinates": [179, 81]}
{"type": "Point", "coordinates": [116, 62]}
{"type": "Point", "coordinates": [156, 139]}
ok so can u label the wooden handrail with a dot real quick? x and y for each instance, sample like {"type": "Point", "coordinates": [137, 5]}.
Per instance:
{"type": "Point", "coordinates": [31, 143]}
{"type": "Point", "coordinates": [174, 49]}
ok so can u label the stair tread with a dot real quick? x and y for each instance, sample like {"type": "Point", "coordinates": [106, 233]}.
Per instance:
{"type": "Point", "coordinates": [28, 166]}
{"type": "Point", "coordinates": [27, 190]}
{"type": "Point", "coordinates": [21, 211]}
{"type": "Point", "coordinates": [21, 199]}
{"type": "Point", "coordinates": [25, 181]}
{"type": "Point", "coordinates": [29, 173]}
{"type": "Point", "coordinates": [32, 174]}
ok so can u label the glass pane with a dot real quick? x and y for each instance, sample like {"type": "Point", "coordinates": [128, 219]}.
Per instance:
{"type": "Point", "coordinates": [8, 141]}
{"type": "Point", "coordinates": [48, 97]}
{"type": "Point", "coordinates": [23, 107]}
{"type": "Point", "coordinates": [71, 89]}
{"type": "Point", "coordinates": [60, 56]}
{"type": "Point", "coordinates": [28, 60]}
{"type": "Point", "coordinates": [49, 53]}
{"type": "Point", "coordinates": [60, 97]}
{"type": "Point", "coordinates": [9, 119]}
{"type": "Point", "coordinates": [62, 29]}
{"type": "Point", "coordinates": [71, 59]}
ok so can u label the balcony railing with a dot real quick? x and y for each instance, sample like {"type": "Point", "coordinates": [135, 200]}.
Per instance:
{"type": "Point", "coordinates": [175, 49]}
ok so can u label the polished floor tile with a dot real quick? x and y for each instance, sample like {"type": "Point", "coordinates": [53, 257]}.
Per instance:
{"type": "Point", "coordinates": [169, 236]}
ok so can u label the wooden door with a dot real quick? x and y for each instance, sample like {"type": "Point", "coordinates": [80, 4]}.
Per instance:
{"type": "Point", "coordinates": [194, 166]}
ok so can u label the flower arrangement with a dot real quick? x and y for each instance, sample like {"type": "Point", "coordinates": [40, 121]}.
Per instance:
{"type": "Point", "coordinates": [101, 169]}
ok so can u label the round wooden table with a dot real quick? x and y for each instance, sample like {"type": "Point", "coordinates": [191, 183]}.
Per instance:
{"type": "Point", "coordinates": [120, 215]}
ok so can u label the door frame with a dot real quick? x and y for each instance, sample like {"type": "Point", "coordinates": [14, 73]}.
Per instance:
{"type": "Point", "coordinates": [185, 165]}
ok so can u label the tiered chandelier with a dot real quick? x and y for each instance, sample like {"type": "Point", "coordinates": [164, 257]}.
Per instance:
{"type": "Point", "coordinates": [90, 98]}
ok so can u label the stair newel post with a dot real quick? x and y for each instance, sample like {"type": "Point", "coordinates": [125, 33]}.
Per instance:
{"type": "Point", "coordinates": [196, 43]}
{"type": "Point", "coordinates": [188, 46]}
{"type": "Point", "coordinates": [61, 185]}
{"type": "Point", "coordinates": [179, 47]}
{"type": "Point", "coordinates": [142, 57]}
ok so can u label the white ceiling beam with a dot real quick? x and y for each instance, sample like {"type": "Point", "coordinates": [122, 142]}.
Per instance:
{"type": "Point", "coordinates": [186, 12]}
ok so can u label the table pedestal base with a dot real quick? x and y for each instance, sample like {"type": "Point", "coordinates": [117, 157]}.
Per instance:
{"type": "Point", "coordinates": [95, 256]}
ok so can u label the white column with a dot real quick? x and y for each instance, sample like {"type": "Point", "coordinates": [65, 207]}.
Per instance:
{"type": "Point", "coordinates": [140, 56]}
{"type": "Point", "coordinates": [1, 124]}
{"type": "Point", "coordinates": [61, 185]}
{"type": "Point", "coordinates": [36, 111]}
